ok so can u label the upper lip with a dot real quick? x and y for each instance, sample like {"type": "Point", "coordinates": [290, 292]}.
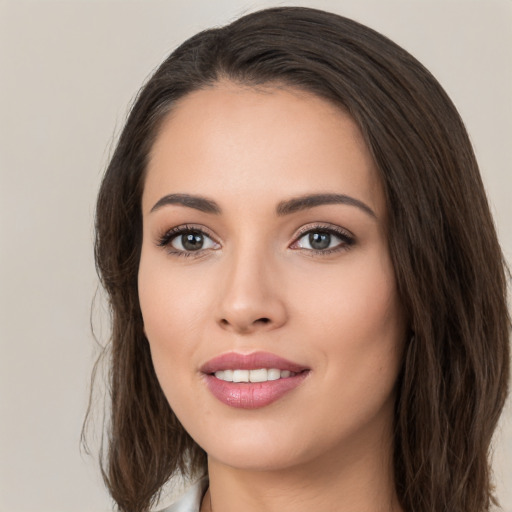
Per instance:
{"type": "Point", "coordinates": [253, 361]}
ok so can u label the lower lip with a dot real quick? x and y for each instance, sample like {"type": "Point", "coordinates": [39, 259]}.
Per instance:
{"type": "Point", "coordinates": [252, 395]}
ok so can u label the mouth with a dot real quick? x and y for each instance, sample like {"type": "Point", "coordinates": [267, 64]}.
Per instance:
{"type": "Point", "coordinates": [251, 381]}
{"type": "Point", "coordinates": [258, 375]}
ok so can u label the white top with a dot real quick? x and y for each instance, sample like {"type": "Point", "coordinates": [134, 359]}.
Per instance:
{"type": "Point", "coordinates": [191, 500]}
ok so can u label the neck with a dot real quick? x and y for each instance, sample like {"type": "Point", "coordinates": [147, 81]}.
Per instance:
{"type": "Point", "coordinates": [355, 478]}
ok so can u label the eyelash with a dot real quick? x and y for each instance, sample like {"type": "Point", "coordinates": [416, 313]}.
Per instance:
{"type": "Point", "coordinates": [347, 239]}
{"type": "Point", "coordinates": [166, 239]}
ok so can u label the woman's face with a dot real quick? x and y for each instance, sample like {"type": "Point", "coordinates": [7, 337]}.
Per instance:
{"type": "Point", "coordinates": [264, 258]}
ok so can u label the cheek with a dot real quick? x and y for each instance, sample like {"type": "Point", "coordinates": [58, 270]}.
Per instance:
{"type": "Point", "coordinates": [351, 301]}
{"type": "Point", "coordinates": [168, 323]}
{"type": "Point", "coordinates": [357, 325]}
{"type": "Point", "coordinates": [172, 303]}
{"type": "Point", "coordinates": [176, 306]}
{"type": "Point", "coordinates": [169, 316]}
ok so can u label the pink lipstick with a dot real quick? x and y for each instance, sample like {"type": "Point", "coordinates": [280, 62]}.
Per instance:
{"type": "Point", "coordinates": [251, 381]}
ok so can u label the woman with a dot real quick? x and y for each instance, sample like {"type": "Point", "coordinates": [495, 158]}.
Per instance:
{"type": "Point", "coordinates": [308, 295]}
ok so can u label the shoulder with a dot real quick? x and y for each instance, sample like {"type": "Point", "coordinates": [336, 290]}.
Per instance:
{"type": "Point", "coordinates": [190, 501]}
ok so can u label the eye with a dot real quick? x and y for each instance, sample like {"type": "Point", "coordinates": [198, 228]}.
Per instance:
{"type": "Point", "coordinates": [183, 240]}
{"type": "Point", "coordinates": [192, 241]}
{"type": "Point", "coordinates": [323, 240]}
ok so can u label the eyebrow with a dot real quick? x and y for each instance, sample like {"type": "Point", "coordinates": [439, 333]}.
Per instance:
{"type": "Point", "coordinates": [283, 208]}
{"type": "Point", "coordinates": [310, 201]}
{"type": "Point", "coordinates": [197, 202]}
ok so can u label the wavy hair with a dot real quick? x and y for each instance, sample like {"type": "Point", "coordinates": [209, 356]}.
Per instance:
{"type": "Point", "coordinates": [449, 268]}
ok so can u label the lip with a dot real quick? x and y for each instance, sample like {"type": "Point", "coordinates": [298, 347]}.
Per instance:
{"type": "Point", "coordinates": [251, 395]}
{"type": "Point", "coordinates": [253, 361]}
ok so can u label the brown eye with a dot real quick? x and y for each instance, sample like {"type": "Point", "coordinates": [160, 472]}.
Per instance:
{"type": "Point", "coordinates": [189, 242]}
{"type": "Point", "coordinates": [192, 241]}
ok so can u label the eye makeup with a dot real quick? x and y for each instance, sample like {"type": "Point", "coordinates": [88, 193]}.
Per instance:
{"type": "Point", "coordinates": [314, 239]}
{"type": "Point", "coordinates": [324, 235]}
{"type": "Point", "coordinates": [187, 240]}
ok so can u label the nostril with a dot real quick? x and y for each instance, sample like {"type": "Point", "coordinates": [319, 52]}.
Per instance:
{"type": "Point", "coordinates": [244, 325]}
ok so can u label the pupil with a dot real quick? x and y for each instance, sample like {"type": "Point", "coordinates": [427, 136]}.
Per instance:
{"type": "Point", "coordinates": [319, 240]}
{"type": "Point", "coordinates": [192, 241]}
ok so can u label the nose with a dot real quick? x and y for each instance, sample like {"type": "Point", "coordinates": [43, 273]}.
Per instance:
{"type": "Point", "coordinates": [251, 297]}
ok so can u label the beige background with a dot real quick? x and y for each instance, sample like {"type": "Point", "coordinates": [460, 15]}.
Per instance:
{"type": "Point", "coordinates": [68, 71]}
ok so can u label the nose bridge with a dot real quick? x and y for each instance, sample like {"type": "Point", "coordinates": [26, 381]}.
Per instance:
{"type": "Point", "coordinates": [249, 297]}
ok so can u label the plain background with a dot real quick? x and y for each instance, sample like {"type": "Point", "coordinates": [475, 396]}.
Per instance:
{"type": "Point", "coordinates": [68, 72]}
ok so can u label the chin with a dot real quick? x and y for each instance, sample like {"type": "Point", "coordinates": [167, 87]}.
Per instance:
{"type": "Point", "coordinates": [257, 458]}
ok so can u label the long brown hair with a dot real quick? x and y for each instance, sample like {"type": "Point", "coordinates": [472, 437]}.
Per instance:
{"type": "Point", "coordinates": [449, 267]}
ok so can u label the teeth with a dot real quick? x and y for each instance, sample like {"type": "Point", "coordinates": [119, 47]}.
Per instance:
{"type": "Point", "coordinates": [241, 376]}
{"type": "Point", "coordinates": [274, 374]}
{"type": "Point", "coordinates": [259, 375]}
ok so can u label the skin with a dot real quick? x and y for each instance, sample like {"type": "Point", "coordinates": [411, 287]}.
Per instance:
{"type": "Point", "coordinates": [258, 286]}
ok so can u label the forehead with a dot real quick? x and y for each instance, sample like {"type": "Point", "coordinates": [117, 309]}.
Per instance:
{"type": "Point", "coordinates": [234, 141]}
